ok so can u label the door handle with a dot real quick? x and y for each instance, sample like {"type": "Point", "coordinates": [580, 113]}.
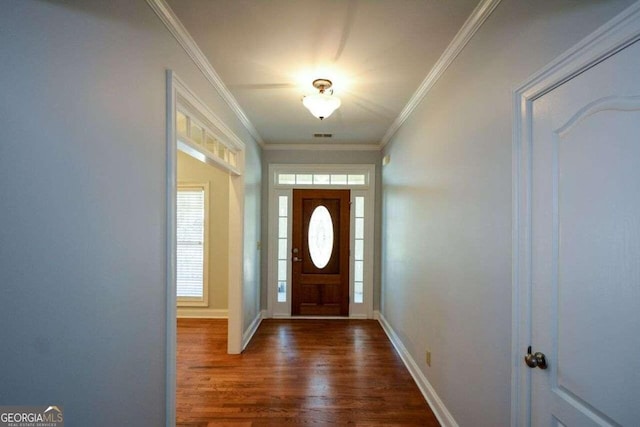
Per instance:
{"type": "Point", "coordinates": [536, 360]}
{"type": "Point", "coordinates": [296, 259]}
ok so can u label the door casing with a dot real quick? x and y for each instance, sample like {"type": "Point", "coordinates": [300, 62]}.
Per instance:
{"type": "Point", "coordinates": [368, 190]}
{"type": "Point", "coordinates": [177, 91]}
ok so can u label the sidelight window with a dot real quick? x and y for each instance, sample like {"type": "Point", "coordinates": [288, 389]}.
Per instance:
{"type": "Point", "coordinates": [358, 263]}
{"type": "Point", "coordinates": [283, 250]}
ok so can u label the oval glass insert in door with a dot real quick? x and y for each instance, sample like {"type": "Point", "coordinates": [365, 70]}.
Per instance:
{"type": "Point", "coordinates": [320, 238]}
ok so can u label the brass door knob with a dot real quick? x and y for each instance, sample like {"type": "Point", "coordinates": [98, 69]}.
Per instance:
{"type": "Point", "coordinates": [536, 360]}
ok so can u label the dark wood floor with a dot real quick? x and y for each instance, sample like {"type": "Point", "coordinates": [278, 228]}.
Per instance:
{"type": "Point", "coordinates": [295, 372]}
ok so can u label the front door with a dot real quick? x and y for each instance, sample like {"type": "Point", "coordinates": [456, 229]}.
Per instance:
{"type": "Point", "coordinates": [585, 252]}
{"type": "Point", "coordinates": [320, 254]}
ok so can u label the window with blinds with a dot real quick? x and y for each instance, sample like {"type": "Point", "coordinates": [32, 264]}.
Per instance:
{"type": "Point", "coordinates": [191, 243]}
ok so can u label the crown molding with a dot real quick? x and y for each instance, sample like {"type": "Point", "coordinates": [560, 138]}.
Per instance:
{"type": "Point", "coordinates": [322, 147]}
{"type": "Point", "coordinates": [173, 24]}
{"type": "Point", "coordinates": [466, 32]}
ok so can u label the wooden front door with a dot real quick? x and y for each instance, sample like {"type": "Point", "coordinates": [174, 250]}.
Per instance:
{"type": "Point", "coordinates": [320, 254]}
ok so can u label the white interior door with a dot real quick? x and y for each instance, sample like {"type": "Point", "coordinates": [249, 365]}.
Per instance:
{"type": "Point", "coordinates": [585, 253]}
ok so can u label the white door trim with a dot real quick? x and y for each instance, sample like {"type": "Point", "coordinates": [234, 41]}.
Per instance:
{"type": "Point", "coordinates": [615, 35]}
{"type": "Point", "coordinates": [171, 215]}
{"type": "Point", "coordinates": [179, 93]}
{"type": "Point", "coordinates": [283, 310]}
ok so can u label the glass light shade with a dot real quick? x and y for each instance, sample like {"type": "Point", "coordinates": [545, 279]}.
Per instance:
{"type": "Point", "coordinates": [321, 105]}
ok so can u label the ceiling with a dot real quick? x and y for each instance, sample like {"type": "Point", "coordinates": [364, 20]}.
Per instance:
{"type": "Point", "coordinates": [376, 52]}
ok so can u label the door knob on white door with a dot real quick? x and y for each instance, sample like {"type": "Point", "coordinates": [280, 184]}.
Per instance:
{"type": "Point", "coordinates": [537, 360]}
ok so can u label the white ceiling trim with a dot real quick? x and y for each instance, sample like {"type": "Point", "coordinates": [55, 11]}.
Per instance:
{"type": "Point", "coordinates": [173, 24]}
{"type": "Point", "coordinates": [466, 32]}
{"type": "Point", "coordinates": [323, 147]}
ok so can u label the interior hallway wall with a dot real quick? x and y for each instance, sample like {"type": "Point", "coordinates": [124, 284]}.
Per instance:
{"type": "Point", "coordinates": [446, 258]}
{"type": "Point", "coordinates": [271, 157]}
{"type": "Point", "coordinates": [252, 234]}
{"type": "Point", "coordinates": [82, 206]}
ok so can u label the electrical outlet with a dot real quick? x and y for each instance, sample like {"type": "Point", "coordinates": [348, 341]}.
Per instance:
{"type": "Point", "coordinates": [428, 358]}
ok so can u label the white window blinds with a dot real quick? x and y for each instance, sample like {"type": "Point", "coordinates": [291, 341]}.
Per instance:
{"type": "Point", "coordinates": [190, 237]}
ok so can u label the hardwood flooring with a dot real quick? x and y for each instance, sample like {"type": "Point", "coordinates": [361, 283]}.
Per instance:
{"type": "Point", "coordinates": [295, 372]}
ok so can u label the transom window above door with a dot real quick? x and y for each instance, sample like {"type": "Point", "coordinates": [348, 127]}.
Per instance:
{"type": "Point", "coordinates": [194, 135]}
{"type": "Point", "coordinates": [325, 179]}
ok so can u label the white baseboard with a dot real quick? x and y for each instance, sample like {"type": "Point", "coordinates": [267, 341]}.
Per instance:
{"type": "Point", "coordinates": [442, 413]}
{"type": "Point", "coordinates": [358, 316]}
{"type": "Point", "coordinates": [202, 313]}
{"type": "Point", "coordinates": [251, 330]}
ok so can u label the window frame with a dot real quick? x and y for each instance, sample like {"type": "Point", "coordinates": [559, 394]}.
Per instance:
{"type": "Point", "coordinates": [204, 300]}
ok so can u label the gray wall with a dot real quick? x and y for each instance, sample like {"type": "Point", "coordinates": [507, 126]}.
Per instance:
{"type": "Point", "coordinates": [252, 230]}
{"type": "Point", "coordinates": [82, 191]}
{"type": "Point", "coordinates": [446, 230]}
{"type": "Point", "coordinates": [337, 157]}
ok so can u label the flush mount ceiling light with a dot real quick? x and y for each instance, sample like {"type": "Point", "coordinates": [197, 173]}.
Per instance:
{"type": "Point", "coordinates": [322, 104]}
